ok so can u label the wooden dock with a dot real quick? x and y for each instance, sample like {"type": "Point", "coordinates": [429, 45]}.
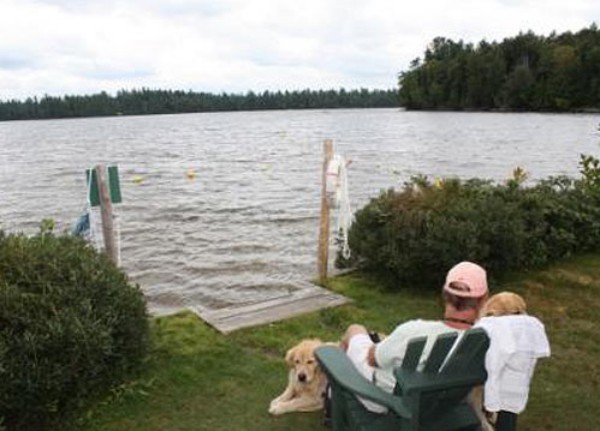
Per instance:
{"type": "Point", "coordinates": [304, 300]}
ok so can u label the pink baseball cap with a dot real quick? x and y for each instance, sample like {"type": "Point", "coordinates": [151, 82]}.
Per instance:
{"type": "Point", "coordinates": [467, 280]}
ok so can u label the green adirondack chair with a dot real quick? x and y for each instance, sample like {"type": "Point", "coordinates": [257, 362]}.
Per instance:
{"type": "Point", "coordinates": [431, 399]}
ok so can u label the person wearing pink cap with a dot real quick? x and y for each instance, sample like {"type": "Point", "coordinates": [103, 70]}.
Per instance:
{"type": "Point", "coordinates": [463, 293]}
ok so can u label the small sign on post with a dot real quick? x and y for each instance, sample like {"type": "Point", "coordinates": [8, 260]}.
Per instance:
{"type": "Point", "coordinates": [114, 186]}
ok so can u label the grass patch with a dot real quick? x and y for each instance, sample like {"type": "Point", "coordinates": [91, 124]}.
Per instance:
{"type": "Point", "coordinates": [197, 379]}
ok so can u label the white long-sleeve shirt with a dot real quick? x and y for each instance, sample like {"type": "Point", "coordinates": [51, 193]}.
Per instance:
{"type": "Point", "coordinates": [516, 342]}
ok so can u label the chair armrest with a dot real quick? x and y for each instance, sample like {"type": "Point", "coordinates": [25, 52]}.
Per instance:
{"type": "Point", "coordinates": [410, 381]}
{"type": "Point", "coordinates": [338, 367]}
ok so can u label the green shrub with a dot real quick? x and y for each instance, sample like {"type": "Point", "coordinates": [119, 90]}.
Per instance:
{"type": "Point", "coordinates": [412, 236]}
{"type": "Point", "coordinates": [70, 326]}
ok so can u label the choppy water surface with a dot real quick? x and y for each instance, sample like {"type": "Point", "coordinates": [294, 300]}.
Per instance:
{"type": "Point", "coordinates": [246, 227]}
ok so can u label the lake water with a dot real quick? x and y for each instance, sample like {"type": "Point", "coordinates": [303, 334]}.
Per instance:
{"type": "Point", "coordinates": [245, 228]}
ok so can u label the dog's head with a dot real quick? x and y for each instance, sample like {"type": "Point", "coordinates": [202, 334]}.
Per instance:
{"type": "Point", "coordinates": [504, 304]}
{"type": "Point", "coordinates": [301, 359]}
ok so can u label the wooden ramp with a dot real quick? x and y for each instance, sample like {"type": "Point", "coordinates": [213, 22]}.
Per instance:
{"type": "Point", "coordinates": [307, 299]}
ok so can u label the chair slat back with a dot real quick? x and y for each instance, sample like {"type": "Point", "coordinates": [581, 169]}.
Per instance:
{"type": "Point", "coordinates": [414, 350]}
{"type": "Point", "coordinates": [466, 358]}
{"type": "Point", "coordinates": [439, 352]}
{"type": "Point", "coordinates": [469, 354]}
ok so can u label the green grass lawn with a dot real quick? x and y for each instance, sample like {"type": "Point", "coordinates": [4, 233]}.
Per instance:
{"type": "Point", "coordinates": [197, 379]}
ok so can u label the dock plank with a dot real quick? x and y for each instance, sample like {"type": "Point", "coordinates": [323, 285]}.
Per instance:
{"type": "Point", "coordinates": [308, 299]}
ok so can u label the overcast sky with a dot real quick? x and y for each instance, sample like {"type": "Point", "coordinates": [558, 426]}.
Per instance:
{"type": "Point", "coordinates": [87, 46]}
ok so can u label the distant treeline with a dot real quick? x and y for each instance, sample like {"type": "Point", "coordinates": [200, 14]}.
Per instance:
{"type": "Point", "coordinates": [146, 101]}
{"type": "Point", "coordinates": [524, 73]}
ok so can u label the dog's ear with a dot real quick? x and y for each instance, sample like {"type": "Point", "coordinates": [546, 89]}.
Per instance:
{"type": "Point", "coordinates": [520, 305]}
{"type": "Point", "coordinates": [289, 356]}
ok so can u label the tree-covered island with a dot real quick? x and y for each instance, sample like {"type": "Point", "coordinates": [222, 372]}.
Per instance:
{"type": "Point", "coordinates": [559, 72]}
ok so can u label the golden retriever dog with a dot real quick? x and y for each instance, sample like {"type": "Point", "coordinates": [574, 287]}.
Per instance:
{"type": "Point", "coordinates": [306, 382]}
{"type": "Point", "coordinates": [500, 304]}
{"type": "Point", "coordinates": [503, 304]}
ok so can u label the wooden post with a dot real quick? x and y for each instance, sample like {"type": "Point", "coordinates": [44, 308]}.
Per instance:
{"type": "Point", "coordinates": [106, 214]}
{"type": "Point", "coordinates": [323, 256]}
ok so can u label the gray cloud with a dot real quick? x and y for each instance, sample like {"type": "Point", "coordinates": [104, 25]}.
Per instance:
{"type": "Point", "coordinates": [108, 73]}
{"type": "Point", "coordinates": [78, 6]}
{"type": "Point", "coordinates": [187, 8]}
{"type": "Point", "coordinates": [13, 61]}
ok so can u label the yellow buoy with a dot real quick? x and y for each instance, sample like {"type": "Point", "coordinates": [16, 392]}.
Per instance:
{"type": "Point", "coordinates": [137, 179]}
{"type": "Point", "coordinates": [191, 174]}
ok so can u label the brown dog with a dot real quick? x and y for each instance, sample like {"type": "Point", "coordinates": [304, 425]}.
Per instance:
{"type": "Point", "coordinates": [306, 382]}
{"type": "Point", "coordinates": [500, 304]}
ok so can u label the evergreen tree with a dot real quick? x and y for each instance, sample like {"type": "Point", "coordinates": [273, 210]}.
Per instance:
{"type": "Point", "coordinates": [525, 72]}
{"type": "Point", "coordinates": [146, 101]}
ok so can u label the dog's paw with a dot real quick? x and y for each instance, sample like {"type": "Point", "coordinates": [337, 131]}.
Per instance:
{"type": "Point", "coordinates": [275, 408]}
{"type": "Point", "coordinates": [274, 402]}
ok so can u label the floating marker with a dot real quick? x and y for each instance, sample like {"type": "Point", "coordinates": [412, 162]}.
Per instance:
{"type": "Point", "coordinates": [191, 174]}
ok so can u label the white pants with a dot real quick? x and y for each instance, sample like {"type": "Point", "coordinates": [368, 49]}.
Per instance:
{"type": "Point", "coordinates": [358, 352]}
